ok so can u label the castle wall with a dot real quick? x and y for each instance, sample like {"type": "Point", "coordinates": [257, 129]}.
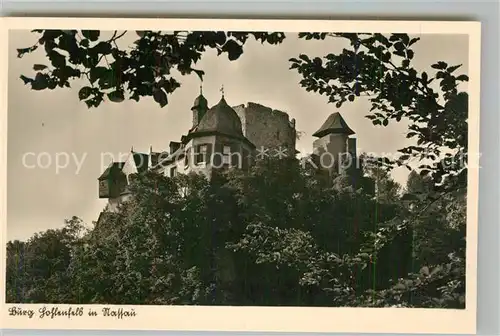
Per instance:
{"type": "Point", "coordinates": [330, 149]}
{"type": "Point", "coordinates": [267, 128]}
{"type": "Point", "coordinates": [191, 150]}
{"type": "Point", "coordinates": [264, 127]}
{"type": "Point", "coordinates": [113, 204]}
{"type": "Point", "coordinates": [239, 156]}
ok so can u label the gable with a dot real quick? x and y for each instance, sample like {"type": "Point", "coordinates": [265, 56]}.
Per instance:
{"type": "Point", "coordinates": [113, 169]}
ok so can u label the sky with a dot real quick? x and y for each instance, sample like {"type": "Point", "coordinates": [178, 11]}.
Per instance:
{"type": "Point", "coordinates": [54, 125]}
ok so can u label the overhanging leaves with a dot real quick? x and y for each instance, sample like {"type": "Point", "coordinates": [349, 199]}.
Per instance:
{"type": "Point", "coordinates": [109, 68]}
{"type": "Point", "coordinates": [379, 68]}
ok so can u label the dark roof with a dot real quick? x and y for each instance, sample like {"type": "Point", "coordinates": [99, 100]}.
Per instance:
{"type": "Point", "coordinates": [155, 157]}
{"type": "Point", "coordinates": [334, 124]}
{"type": "Point", "coordinates": [178, 154]}
{"type": "Point", "coordinates": [200, 102]}
{"type": "Point", "coordinates": [141, 161]}
{"type": "Point", "coordinates": [113, 168]}
{"type": "Point", "coordinates": [221, 119]}
{"type": "Point", "coordinates": [174, 145]}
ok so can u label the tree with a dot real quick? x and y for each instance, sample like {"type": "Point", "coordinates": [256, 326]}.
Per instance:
{"type": "Point", "coordinates": [440, 229]}
{"type": "Point", "coordinates": [149, 68]}
{"type": "Point", "coordinates": [16, 279]}
{"type": "Point", "coordinates": [379, 68]}
{"type": "Point", "coordinates": [311, 230]}
{"type": "Point", "coordinates": [186, 240]}
{"type": "Point", "coordinates": [386, 189]}
{"type": "Point", "coordinates": [37, 270]}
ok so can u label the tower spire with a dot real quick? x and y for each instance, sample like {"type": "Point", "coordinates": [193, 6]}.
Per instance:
{"type": "Point", "coordinates": [222, 90]}
{"type": "Point", "coordinates": [200, 107]}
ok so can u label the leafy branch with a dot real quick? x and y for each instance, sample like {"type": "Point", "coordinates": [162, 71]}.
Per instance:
{"type": "Point", "coordinates": [143, 70]}
{"type": "Point", "coordinates": [379, 67]}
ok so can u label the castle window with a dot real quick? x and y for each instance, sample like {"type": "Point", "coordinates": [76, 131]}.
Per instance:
{"type": "Point", "coordinates": [201, 155]}
{"type": "Point", "coordinates": [173, 171]}
{"type": "Point", "coordinates": [186, 158]}
{"type": "Point", "coordinates": [278, 135]}
{"type": "Point", "coordinates": [226, 155]}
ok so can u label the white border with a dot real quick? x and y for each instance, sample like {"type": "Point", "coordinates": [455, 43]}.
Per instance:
{"type": "Point", "coordinates": [269, 319]}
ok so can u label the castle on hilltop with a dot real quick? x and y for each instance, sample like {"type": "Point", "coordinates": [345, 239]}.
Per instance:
{"type": "Point", "coordinates": [222, 137]}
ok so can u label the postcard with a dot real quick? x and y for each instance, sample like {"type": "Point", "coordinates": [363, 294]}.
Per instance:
{"type": "Point", "coordinates": [240, 175]}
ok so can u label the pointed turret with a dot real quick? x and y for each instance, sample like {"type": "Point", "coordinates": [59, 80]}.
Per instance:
{"type": "Point", "coordinates": [222, 119]}
{"type": "Point", "coordinates": [200, 107]}
{"type": "Point", "coordinates": [333, 143]}
{"type": "Point", "coordinates": [335, 124]}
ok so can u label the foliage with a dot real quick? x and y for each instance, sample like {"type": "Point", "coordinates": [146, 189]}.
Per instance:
{"type": "Point", "coordinates": [443, 286]}
{"type": "Point", "coordinates": [186, 240]}
{"type": "Point", "coordinates": [434, 103]}
{"type": "Point", "coordinates": [38, 270]}
{"type": "Point", "coordinates": [118, 73]}
{"type": "Point", "coordinates": [380, 68]}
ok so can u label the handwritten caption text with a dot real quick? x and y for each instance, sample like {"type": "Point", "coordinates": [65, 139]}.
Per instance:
{"type": "Point", "coordinates": [47, 312]}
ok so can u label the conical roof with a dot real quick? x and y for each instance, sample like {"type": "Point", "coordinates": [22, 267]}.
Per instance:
{"type": "Point", "coordinates": [200, 102]}
{"type": "Point", "coordinates": [141, 161]}
{"type": "Point", "coordinates": [334, 124]}
{"type": "Point", "coordinates": [222, 119]}
{"type": "Point", "coordinates": [113, 169]}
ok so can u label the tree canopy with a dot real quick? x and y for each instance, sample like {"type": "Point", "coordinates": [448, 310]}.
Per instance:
{"type": "Point", "coordinates": [186, 240]}
{"type": "Point", "coordinates": [129, 73]}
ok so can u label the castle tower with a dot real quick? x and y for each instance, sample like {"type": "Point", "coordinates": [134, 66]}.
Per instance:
{"type": "Point", "coordinates": [114, 181]}
{"type": "Point", "coordinates": [218, 140]}
{"type": "Point", "coordinates": [199, 109]}
{"type": "Point", "coordinates": [333, 145]}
